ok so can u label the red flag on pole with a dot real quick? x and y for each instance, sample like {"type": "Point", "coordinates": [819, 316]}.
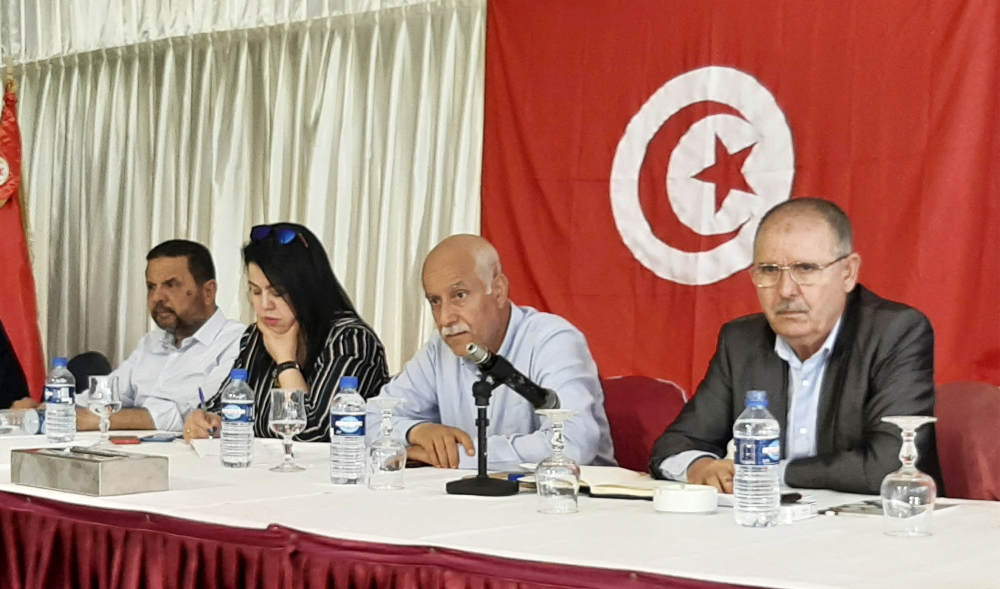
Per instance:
{"type": "Point", "coordinates": [18, 307]}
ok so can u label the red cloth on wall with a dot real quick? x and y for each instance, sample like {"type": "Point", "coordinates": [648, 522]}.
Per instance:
{"type": "Point", "coordinates": [18, 306]}
{"type": "Point", "coordinates": [700, 116]}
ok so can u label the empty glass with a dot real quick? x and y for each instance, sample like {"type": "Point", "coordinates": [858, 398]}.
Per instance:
{"type": "Point", "coordinates": [386, 456]}
{"type": "Point", "coordinates": [287, 418]}
{"type": "Point", "coordinates": [908, 495]}
{"type": "Point", "coordinates": [557, 478]}
{"type": "Point", "coordinates": [104, 400]}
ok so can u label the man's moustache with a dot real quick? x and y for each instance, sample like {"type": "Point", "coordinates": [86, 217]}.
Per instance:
{"type": "Point", "coordinates": [790, 307]}
{"type": "Point", "coordinates": [454, 329]}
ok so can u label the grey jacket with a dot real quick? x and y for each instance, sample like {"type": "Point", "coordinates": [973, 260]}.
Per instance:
{"type": "Point", "coordinates": [882, 363]}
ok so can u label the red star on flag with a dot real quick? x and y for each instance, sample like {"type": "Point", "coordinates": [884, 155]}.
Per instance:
{"type": "Point", "coordinates": [727, 172]}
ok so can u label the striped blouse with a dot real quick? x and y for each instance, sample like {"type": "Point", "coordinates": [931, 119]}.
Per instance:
{"type": "Point", "coordinates": [351, 349]}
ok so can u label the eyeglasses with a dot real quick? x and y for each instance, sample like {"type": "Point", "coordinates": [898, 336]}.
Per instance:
{"type": "Point", "coordinates": [282, 235]}
{"type": "Point", "coordinates": [803, 273]}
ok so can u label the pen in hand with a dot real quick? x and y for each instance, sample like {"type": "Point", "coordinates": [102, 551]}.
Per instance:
{"type": "Point", "coordinates": [201, 397]}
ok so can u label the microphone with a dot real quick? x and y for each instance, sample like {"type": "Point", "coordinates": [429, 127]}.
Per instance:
{"type": "Point", "coordinates": [499, 369]}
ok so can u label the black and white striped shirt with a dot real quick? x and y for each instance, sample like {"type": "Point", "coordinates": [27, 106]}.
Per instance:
{"type": "Point", "coordinates": [351, 349]}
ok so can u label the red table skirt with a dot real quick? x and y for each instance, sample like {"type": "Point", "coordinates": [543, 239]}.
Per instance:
{"type": "Point", "coordinates": [46, 543]}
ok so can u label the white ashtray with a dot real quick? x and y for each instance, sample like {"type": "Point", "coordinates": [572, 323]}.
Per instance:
{"type": "Point", "coordinates": [684, 498]}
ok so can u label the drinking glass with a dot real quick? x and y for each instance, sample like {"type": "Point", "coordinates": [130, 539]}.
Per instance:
{"type": "Point", "coordinates": [908, 494]}
{"type": "Point", "coordinates": [287, 418]}
{"type": "Point", "coordinates": [103, 399]}
{"type": "Point", "coordinates": [557, 478]}
{"type": "Point", "coordinates": [386, 457]}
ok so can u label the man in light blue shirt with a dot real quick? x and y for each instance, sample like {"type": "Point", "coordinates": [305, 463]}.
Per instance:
{"type": "Point", "coordinates": [468, 294]}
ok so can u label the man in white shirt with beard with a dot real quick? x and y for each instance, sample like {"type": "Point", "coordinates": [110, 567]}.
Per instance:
{"type": "Point", "coordinates": [193, 346]}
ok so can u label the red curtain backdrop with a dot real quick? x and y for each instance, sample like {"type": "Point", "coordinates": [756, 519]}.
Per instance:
{"type": "Point", "coordinates": [18, 306]}
{"type": "Point", "coordinates": [701, 115]}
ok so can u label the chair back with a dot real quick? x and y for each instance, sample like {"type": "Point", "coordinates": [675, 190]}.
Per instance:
{"type": "Point", "coordinates": [639, 409]}
{"type": "Point", "coordinates": [85, 365]}
{"type": "Point", "coordinates": [968, 418]}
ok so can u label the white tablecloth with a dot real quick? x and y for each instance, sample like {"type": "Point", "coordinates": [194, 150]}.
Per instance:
{"type": "Point", "coordinates": [840, 551]}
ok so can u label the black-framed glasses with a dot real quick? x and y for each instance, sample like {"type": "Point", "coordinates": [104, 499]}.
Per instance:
{"type": "Point", "coordinates": [803, 273]}
{"type": "Point", "coordinates": [283, 235]}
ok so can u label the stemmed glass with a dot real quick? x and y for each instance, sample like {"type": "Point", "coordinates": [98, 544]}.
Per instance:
{"type": "Point", "coordinates": [287, 418]}
{"type": "Point", "coordinates": [103, 399]}
{"type": "Point", "coordinates": [557, 478]}
{"type": "Point", "coordinates": [908, 494]}
{"type": "Point", "coordinates": [386, 456]}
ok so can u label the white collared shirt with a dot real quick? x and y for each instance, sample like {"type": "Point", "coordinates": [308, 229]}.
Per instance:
{"type": "Point", "coordinates": [163, 378]}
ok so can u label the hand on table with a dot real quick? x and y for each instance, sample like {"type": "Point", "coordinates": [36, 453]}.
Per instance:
{"type": "Point", "coordinates": [438, 444]}
{"type": "Point", "coordinates": [201, 424]}
{"type": "Point", "coordinates": [709, 471]}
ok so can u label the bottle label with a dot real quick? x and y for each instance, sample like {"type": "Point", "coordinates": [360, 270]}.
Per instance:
{"type": "Point", "coordinates": [235, 412]}
{"type": "Point", "coordinates": [347, 425]}
{"type": "Point", "coordinates": [60, 394]}
{"type": "Point", "coordinates": [758, 452]}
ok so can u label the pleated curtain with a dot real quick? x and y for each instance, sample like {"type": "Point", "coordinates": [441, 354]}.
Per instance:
{"type": "Point", "coordinates": [363, 123]}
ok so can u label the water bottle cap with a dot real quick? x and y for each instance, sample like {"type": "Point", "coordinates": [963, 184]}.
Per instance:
{"type": "Point", "coordinates": [756, 398]}
{"type": "Point", "coordinates": [238, 374]}
{"type": "Point", "coordinates": [348, 382]}
{"type": "Point", "coordinates": [60, 361]}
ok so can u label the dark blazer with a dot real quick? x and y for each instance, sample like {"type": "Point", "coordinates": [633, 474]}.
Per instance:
{"type": "Point", "coordinates": [13, 385]}
{"type": "Point", "coordinates": [882, 363]}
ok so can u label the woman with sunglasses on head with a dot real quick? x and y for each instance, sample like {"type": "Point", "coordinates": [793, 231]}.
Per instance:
{"type": "Point", "coordinates": [307, 334]}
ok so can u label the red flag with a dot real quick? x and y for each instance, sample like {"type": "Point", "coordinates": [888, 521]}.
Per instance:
{"type": "Point", "coordinates": [18, 307]}
{"type": "Point", "coordinates": [630, 149]}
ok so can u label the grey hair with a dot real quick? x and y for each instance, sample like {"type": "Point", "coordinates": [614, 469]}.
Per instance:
{"type": "Point", "coordinates": [834, 216]}
{"type": "Point", "coordinates": [487, 265]}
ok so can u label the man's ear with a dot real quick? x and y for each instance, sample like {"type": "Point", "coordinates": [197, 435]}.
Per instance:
{"type": "Point", "coordinates": [210, 288]}
{"type": "Point", "coordinates": [852, 272]}
{"type": "Point", "coordinates": [501, 287]}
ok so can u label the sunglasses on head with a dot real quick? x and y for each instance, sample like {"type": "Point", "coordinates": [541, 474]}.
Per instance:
{"type": "Point", "coordinates": [282, 235]}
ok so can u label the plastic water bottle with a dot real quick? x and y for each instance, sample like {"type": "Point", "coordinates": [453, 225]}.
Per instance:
{"type": "Point", "coordinates": [237, 421]}
{"type": "Point", "coordinates": [756, 488]}
{"type": "Point", "coordinates": [347, 434]}
{"type": "Point", "coordinates": [19, 422]}
{"type": "Point", "coordinates": [60, 403]}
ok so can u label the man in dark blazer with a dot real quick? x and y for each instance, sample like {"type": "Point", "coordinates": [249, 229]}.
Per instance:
{"type": "Point", "coordinates": [833, 357]}
{"type": "Point", "coordinates": [13, 385]}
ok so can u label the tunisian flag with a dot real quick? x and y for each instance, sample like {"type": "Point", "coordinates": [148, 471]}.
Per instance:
{"type": "Point", "coordinates": [18, 307]}
{"type": "Point", "coordinates": [630, 149]}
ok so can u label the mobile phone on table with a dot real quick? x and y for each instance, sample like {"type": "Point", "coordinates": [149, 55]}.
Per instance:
{"type": "Point", "coordinates": [125, 439]}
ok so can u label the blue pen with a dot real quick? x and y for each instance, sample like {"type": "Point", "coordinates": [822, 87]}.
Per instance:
{"type": "Point", "coordinates": [201, 397]}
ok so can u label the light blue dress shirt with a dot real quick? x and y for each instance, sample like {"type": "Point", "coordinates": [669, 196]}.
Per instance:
{"type": "Point", "coordinates": [805, 380]}
{"type": "Point", "coordinates": [436, 386]}
{"type": "Point", "coordinates": [163, 378]}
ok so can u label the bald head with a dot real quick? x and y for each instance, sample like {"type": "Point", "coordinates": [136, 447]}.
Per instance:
{"type": "Point", "coordinates": [467, 292]}
{"type": "Point", "coordinates": [465, 249]}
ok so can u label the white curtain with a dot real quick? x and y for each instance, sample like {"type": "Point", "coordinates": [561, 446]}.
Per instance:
{"type": "Point", "coordinates": [365, 126]}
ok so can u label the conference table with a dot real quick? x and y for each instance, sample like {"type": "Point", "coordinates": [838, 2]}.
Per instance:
{"type": "Point", "coordinates": [219, 527]}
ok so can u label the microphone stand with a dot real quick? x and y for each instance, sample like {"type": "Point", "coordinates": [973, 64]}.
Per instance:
{"type": "Point", "coordinates": [482, 484]}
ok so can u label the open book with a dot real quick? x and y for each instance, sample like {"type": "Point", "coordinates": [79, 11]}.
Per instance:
{"type": "Point", "coordinates": [613, 482]}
